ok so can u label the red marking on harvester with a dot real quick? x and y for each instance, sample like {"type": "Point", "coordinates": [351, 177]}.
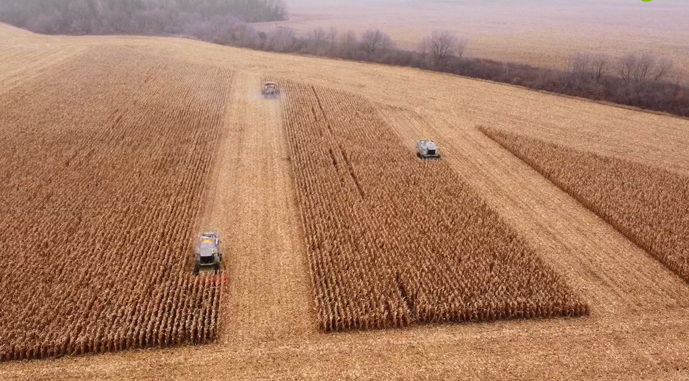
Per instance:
{"type": "Point", "coordinates": [217, 281]}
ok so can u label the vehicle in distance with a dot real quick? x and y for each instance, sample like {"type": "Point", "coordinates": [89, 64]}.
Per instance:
{"type": "Point", "coordinates": [270, 90]}
{"type": "Point", "coordinates": [427, 150]}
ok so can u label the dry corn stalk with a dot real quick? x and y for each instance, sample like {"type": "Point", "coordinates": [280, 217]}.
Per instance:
{"type": "Point", "coordinates": [649, 205]}
{"type": "Point", "coordinates": [393, 240]}
{"type": "Point", "coordinates": [100, 191]}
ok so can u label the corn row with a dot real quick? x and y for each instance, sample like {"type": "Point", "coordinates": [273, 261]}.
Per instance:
{"type": "Point", "coordinates": [649, 205]}
{"type": "Point", "coordinates": [393, 240]}
{"type": "Point", "coordinates": [103, 165]}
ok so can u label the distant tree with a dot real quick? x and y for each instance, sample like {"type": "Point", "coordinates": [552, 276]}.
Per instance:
{"type": "Point", "coordinates": [281, 40]}
{"type": "Point", "coordinates": [440, 46]}
{"type": "Point", "coordinates": [348, 45]}
{"type": "Point", "coordinates": [600, 63]}
{"type": "Point", "coordinates": [643, 69]}
{"type": "Point", "coordinates": [244, 35]}
{"type": "Point", "coordinates": [461, 47]}
{"type": "Point", "coordinates": [375, 41]}
{"type": "Point", "coordinates": [318, 41]}
{"type": "Point", "coordinates": [587, 71]}
{"type": "Point", "coordinates": [580, 66]}
{"type": "Point", "coordinates": [222, 29]}
{"type": "Point", "coordinates": [332, 38]}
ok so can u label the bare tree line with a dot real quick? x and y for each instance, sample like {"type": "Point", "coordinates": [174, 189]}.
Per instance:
{"type": "Point", "coordinates": [441, 46]}
{"type": "Point", "coordinates": [640, 80]}
{"type": "Point", "coordinates": [151, 17]}
{"type": "Point", "coordinates": [633, 69]}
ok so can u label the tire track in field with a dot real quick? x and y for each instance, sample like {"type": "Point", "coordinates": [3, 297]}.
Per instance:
{"type": "Point", "coordinates": [252, 205]}
{"type": "Point", "coordinates": [20, 64]}
{"type": "Point", "coordinates": [614, 275]}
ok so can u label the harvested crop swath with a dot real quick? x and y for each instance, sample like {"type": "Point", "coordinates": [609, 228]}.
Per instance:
{"type": "Point", "coordinates": [393, 240]}
{"type": "Point", "coordinates": [649, 205]}
{"type": "Point", "coordinates": [103, 163]}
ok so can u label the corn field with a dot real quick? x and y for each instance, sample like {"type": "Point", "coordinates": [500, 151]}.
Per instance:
{"type": "Point", "coordinates": [393, 240]}
{"type": "Point", "coordinates": [649, 205]}
{"type": "Point", "coordinates": [101, 186]}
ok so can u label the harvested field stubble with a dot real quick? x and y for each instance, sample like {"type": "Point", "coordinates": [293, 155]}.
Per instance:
{"type": "Point", "coordinates": [649, 205]}
{"type": "Point", "coordinates": [393, 240]}
{"type": "Point", "coordinates": [100, 190]}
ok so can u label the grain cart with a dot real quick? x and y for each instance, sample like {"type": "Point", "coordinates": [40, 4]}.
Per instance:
{"type": "Point", "coordinates": [427, 150]}
{"type": "Point", "coordinates": [270, 90]}
{"type": "Point", "coordinates": [208, 254]}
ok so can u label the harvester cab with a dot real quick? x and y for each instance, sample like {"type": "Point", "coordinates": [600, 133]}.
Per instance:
{"type": "Point", "coordinates": [208, 256]}
{"type": "Point", "coordinates": [270, 90]}
{"type": "Point", "coordinates": [427, 150]}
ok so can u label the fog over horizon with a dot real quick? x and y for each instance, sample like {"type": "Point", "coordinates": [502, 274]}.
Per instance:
{"type": "Point", "coordinates": [514, 30]}
{"type": "Point", "coordinates": [544, 33]}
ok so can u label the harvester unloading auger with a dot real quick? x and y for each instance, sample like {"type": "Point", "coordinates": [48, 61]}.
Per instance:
{"type": "Point", "coordinates": [208, 256]}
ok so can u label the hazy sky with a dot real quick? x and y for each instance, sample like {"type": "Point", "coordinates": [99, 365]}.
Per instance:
{"type": "Point", "coordinates": [533, 31]}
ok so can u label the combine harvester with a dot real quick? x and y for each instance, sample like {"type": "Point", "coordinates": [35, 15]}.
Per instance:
{"type": "Point", "coordinates": [427, 150]}
{"type": "Point", "coordinates": [270, 90]}
{"type": "Point", "coordinates": [208, 256]}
